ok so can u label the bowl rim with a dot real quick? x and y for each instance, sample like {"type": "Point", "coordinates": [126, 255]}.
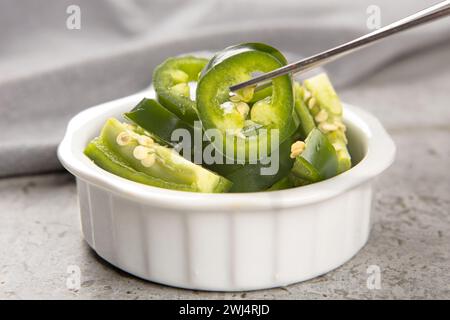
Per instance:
{"type": "Point", "coordinates": [379, 156]}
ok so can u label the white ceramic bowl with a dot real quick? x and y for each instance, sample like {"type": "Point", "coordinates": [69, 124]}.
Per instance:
{"type": "Point", "coordinates": [225, 242]}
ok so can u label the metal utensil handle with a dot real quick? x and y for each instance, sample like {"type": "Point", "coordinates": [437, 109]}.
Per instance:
{"type": "Point", "coordinates": [437, 11]}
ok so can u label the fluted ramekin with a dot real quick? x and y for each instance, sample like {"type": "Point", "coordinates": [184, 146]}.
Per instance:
{"type": "Point", "coordinates": [226, 242]}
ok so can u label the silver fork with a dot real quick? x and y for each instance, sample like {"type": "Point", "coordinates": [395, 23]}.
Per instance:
{"type": "Point", "coordinates": [432, 13]}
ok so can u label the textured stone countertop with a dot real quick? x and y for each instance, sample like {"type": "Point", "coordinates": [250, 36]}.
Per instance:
{"type": "Point", "coordinates": [410, 239]}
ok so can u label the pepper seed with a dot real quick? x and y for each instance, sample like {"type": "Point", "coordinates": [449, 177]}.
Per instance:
{"type": "Point", "coordinates": [141, 152]}
{"type": "Point", "coordinates": [327, 127]}
{"type": "Point", "coordinates": [145, 141]}
{"type": "Point", "coordinates": [181, 89]}
{"type": "Point", "coordinates": [321, 116]}
{"type": "Point", "coordinates": [179, 76]}
{"type": "Point", "coordinates": [247, 93]}
{"type": "Point", "coordinates": [243, 108]}
{"type": "Point", "coordinates": [123, 138]}
{"type": "Point", "coordinates": [149, 160]}
{"type": "Point", "coordinates": [311, 103]}
{"type": "Point", "coordinates": [297, 148]}
{"type": "Point", "coordinates": [340, 125]}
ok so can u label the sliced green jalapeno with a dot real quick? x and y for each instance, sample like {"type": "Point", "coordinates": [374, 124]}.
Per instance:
{"type": "Point", "coordinates": [317, 161]}
{"type": "Point", "coordinates": [175, 81]}
{"type": "Point", "coordinates": [162, 124]}
{"type": "Point", "coordinates": [145, 156]}
{"type": "Point", "coordinates": [245, 128]}
{"type": "Point", "coordinates": [252, 177]}
{"type": "Point", "coordinates": [324, 105]}
{"type": "Point", "coordinates": [284, 183]}
{"type": "Point", "coordinates": [98, 152]}
{"type": "Point", "coordinates": [150, 115]}
{"type": "Point", "coordinates": [306, 119]}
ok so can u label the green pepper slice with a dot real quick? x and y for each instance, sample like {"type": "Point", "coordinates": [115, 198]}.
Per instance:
{"type": "Point", "coordinates": [249, 178]}
{"type": "Point", "coordinates": [150, 115]}
{"type": "Point", "coordinates": [326, 108]}
{"type": "Point", "coordinates": [98, 152]}
{"type": "Point", "coordinates": [317, 162]}
{"type": "Point", "coordinates": [282, 184]}
{"type": "Point", "coordinates": [242, 127]}
{"type": "Point", "coordinates": [145, 156]}
{"type": "Point", "coordinates": [175, 81]}
{"type": "Point", "coordinates": [306, 119]}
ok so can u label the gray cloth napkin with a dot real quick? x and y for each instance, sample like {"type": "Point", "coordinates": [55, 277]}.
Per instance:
{"type": "Point", "coordinates": [48, 72]}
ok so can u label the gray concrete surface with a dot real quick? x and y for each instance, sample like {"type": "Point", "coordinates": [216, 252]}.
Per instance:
{"type": "Point", "coordinates": [410, 239]}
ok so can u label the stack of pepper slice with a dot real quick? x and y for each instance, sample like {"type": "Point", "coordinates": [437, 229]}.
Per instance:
{"type": "Point", "coordinates": [310, 144]}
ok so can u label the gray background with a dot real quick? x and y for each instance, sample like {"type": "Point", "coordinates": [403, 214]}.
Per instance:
{"type": "Point", "coordinates": [48, 73]}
